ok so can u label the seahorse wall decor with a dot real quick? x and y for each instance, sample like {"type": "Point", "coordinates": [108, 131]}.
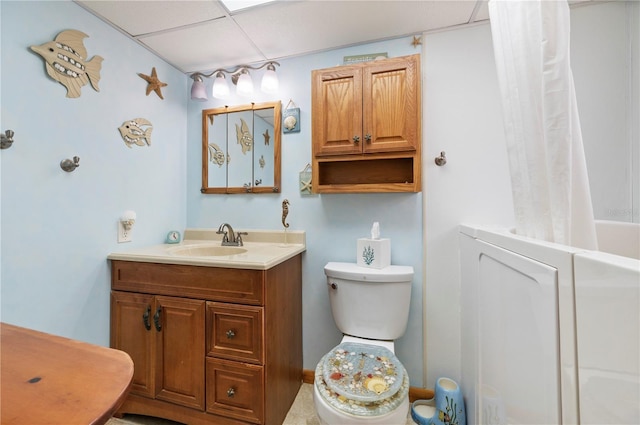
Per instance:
{"type": "Point", "coordinates": [285, 212]}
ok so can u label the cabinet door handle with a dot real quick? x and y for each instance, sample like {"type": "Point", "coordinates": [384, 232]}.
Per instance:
{"type": "Point", "coordinates": [230, 334]}
{"type": "Point", "coordinates": [367, 137]}
{"type": "Point", "coordinates": [231, 392]}
{"type": "Point", "coordinates": [356, 140]}
{"type": "Point", "coordinates": [156, 319]}
{"type": "Point", "coordinates": [145, 318]}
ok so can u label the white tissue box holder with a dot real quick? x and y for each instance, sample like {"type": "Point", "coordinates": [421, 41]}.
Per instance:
{"type": "Point", "coordinates": [374, 253]}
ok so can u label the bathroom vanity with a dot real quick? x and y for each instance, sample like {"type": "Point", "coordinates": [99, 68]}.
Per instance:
{"type": "Point", "coordinates": [215, 339]}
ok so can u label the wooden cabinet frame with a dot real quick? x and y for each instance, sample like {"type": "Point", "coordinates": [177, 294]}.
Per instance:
{"type": "Point", "coordinates": [189, 370]}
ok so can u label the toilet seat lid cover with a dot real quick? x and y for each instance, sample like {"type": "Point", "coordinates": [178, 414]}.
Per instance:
{"type": "Point", "coordinates": [362, 372]}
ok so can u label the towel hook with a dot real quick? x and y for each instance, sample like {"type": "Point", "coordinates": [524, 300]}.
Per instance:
{"type": "Point", "coordinates": [69, 165]}
{"type": "Point", "coordinates": [441, 160]}
{"type": "Point", "coordinates": [6, 139]}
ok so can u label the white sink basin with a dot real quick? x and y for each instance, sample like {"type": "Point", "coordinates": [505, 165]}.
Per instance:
{"type": "Point", "coordinates": [206, 251]}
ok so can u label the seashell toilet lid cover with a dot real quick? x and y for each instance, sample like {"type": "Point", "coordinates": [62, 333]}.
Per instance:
{"type": "Point", "coordinates": [362, 372]}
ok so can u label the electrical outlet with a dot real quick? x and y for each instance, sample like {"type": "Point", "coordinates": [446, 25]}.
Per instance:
{"type": "Point", "coordinates": [124, 235]}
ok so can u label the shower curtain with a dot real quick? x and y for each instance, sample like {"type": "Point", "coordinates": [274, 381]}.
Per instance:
{"type": "Point", "coordinates": [549, 179]}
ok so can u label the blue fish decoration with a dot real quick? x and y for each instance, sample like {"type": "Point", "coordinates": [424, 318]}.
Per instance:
{"type": "Point", "coordinates": [65, 61]}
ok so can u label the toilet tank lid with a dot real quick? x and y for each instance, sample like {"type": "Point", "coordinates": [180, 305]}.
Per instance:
{"type": "Point", "coordinates": [352, 271]}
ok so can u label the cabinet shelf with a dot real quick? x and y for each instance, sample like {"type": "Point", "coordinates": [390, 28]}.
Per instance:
{"type": "Point", "coordinates": [375, 171]}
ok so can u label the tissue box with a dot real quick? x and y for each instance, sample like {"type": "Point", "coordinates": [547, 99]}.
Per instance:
{"type": "Point", "coordinates": [375, 253]}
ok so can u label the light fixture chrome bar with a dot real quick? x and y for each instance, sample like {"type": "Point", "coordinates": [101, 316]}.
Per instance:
{"type": "Point", "coordinates": [236, 70]}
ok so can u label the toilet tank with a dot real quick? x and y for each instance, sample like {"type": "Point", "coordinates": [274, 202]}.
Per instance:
{"type": "Point", "coordinates": [369, 303]}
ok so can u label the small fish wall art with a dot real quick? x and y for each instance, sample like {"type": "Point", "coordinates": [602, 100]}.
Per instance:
{"type": "Point", "coordinates": [66, 62]}
{"type": "Point", "coordinates": [136, 132]}
{"type": "Point", "coordinates": [154, 84]}
{"type": "Point", "coordinates": [245, 139]}
{"type": "Point", "coordinates": [216, 155]}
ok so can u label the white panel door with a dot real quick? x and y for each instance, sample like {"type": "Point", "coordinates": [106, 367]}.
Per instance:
{"type": "Point", "coordinates": [518, 348]}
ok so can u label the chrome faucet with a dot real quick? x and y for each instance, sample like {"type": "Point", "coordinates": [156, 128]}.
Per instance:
{"type": "Point", "coordinates": [230, 237]}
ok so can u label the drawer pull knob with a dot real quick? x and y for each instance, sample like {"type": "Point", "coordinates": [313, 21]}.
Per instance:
{"type": "Point", "coordinates": [231, 392]}
{"type": "Point", "coordinates": [230, 334]}
{"type": "Point", "coordinates": [367, 137]}
{"type": "Point", "coordinates": [356, 140]}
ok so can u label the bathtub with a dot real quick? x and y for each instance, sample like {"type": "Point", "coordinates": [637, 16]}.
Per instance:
{"type": "Point", "coordinates": [550, 333]}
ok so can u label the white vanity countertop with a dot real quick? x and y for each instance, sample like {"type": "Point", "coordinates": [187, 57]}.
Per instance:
{"type": "Point", "coordinates": [264, 250]}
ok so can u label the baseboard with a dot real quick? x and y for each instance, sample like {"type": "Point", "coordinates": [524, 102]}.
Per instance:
{"type": "Point", "coordinates": [415, 393]}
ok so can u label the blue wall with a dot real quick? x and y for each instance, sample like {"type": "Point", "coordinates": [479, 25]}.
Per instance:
{"type": "Point", "coordinates": [57, 227]}
{"type": "Point", "coordinates": [332, 222]}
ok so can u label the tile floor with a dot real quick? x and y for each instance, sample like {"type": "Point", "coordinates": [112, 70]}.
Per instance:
{"type": "Point", "coordinates": [302, 413]}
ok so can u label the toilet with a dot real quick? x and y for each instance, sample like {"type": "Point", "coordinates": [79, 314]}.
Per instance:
{"type": "Point", "coordinates": [361, 381]}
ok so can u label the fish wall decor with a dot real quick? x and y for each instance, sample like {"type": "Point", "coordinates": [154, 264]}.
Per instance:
{"type": "Point", "coordinates": [133, 133]}
{"type": "Point", "coordinates": [244, 137]}
{"type": "Point", "coordinates": [66, 62]}
{"type": "Point", "coordinates": [216, 155]}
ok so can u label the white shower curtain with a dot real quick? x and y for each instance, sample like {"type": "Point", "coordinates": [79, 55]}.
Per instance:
{"type": "Point", "coordinates": [549, 179]}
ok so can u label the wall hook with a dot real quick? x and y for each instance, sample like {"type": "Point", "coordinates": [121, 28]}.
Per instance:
{"type": "Point", "coordinates": [69, 165]}
{"type": "Point", "coordinates": [6, 139]}
{"type": "Point", "coordinates": [441, 160]}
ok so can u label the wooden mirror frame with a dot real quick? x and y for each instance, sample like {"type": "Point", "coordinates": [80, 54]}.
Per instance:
{"type": "Point", "coordinates": [276, 142]}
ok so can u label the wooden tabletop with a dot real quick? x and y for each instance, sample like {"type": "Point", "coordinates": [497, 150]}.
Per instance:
{"type": "Point", "coordinates": [47, 379]}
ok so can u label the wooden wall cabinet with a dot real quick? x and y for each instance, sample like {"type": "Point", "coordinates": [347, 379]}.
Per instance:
{"type": "Point", "coordinates": [366, 127]}
{"type": "Point", "coordinates": [210, 345]}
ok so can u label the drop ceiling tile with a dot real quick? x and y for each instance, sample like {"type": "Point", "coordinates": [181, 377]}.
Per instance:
{"type": "Point", "coordinates": [293, 28]}
{"type": "Point", "coordinates": [215, 44]}
{"type": "Point", "coordinates": [143, 17]}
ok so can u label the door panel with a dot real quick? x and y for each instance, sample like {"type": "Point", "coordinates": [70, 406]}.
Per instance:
{"type": "Point", "coordinates": [181, 357]}
{"type": "Point", "coordinates": [130, 315]}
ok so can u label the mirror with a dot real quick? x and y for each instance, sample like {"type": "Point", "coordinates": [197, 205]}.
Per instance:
{"type": "Point", "coordinates": [241, 148]}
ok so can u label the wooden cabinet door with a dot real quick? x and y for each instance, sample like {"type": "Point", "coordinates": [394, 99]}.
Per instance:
{"type": "Point", "coordinates": [132, 331]}
{"type": "Point", "coordinates": [337, 111]}
{"type": "Point", "coordinates": [180, 362]}
{"type": "Point", "coordinates": [390, 105]}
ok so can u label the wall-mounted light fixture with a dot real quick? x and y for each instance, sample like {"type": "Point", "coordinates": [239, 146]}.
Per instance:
{"type": "Point", "coordinates": [125, 225]}
{"type": "Point", "coordinates": [240, 77]}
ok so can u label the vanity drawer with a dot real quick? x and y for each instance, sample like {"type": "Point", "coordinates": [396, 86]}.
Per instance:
{"type": "Point", "coordinates": [208, 283]}
{"type": "Point", "coordinates": [234, 332]}
{"type": "Point", "coordinates": [235, 390]}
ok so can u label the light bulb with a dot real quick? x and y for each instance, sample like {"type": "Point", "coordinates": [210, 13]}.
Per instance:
{"type": "Point", "coordinates": [198, 90]}
{"type": "Point", "coordinates": [245, 84]}
{"type": "Point", "coordinates": [220, 88]}
{"type": "Point", "coordinates": [270, 81]}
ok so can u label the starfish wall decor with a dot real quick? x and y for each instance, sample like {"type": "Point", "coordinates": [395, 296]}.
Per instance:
{"type": "Point", "coordinates": [154, 83]}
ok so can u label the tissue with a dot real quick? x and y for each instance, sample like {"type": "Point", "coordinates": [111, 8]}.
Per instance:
{"type": "Point", "coordinates": [375, 230]}
{"type": "Point", "coordinates": [374, 252]}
